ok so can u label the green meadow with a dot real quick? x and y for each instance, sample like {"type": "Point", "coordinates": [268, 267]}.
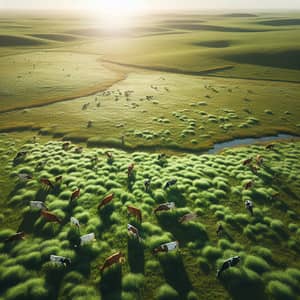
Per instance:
{"type": "Point", "coordinates": [166, 83]}
{"type": "Point", "coordinates": [212, 186]}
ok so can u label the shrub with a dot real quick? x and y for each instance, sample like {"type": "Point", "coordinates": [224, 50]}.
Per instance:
{"type": "Point", "coordinates": [132, 282]}
{"type": "Point", "coordinates": [256, 264]}
{"type": "Point", "coordinates": [280, 291]}
{"type": "Point", "coordinates": [166, 292]}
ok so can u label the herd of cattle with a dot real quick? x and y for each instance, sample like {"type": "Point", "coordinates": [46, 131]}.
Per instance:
{"type": "Point", "coordinates": [253, 163]}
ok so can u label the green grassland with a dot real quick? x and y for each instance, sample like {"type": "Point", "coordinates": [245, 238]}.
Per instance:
{"type": "Point", "coordinates": [181, 112]}
{"type": "Point", "coordinates": [210, 185]}
{"type": "Point", "coordinates": [195, 79]}
{"type": "Point", "coordinates": [170, 83]}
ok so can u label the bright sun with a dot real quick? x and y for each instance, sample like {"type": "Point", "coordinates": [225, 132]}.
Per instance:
{"type": "Point", "coordinates": [116, 14]}
{"type": "Point", "coordinates": [119, 7]}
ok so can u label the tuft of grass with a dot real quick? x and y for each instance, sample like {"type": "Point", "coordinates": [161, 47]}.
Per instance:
{"type": "Point", "coordinates": [132, 282]}
{"type": "Point", "coordinates": [211, 253]}
{"type": "Point", "coordinates": [166, 292]}
{"type": "Point", "coordinates": [257, 264]}
{"type": "Point", "coordinates": [280, 291]}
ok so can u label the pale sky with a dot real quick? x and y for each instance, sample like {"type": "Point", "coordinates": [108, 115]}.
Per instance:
{"type": "Point", "coordinates": [146, 5]}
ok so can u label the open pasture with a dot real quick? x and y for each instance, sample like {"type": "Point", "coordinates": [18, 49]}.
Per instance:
{"type": "Point", "coordinates": [168, 83]}
{"type": "Point", "coordinates": [180, 82]}
{"type": "Point", "coordinates": [151, 110]}
{"type": "Point", "coordinates": [212, 186]}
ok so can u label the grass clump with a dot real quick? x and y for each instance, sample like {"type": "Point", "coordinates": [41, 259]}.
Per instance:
{"type": "Point", "coordinates": [279, 291]}
{"type": "Point", "coordinates": [256, 264]}
{"type": "Point", "coordinates": [211, 253]}
{"type": "Point", "coordinates": [132, 282]}
{"type": "Point", "coordinates": [166, 292]}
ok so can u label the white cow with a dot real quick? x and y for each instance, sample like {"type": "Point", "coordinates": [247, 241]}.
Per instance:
{"type": "Point", "coordinates": [38, 205]}
{"type": "Point", "coordinates": [75, 222]}
{"type": "Point", "coordinates": [87, 238]}
{"type": "Point", "coordinates": [171, 246]}
{"type": "Point", "coordinates": [60, 260]}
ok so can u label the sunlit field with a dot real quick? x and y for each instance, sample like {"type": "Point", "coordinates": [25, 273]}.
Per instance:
{"type": "Point", "coordinates": [100, 112]}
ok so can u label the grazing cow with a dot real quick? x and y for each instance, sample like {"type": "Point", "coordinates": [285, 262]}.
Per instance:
{"type": "Point", "coordinates": [259, 160]}
{"type": "Point", "coordinates": [247, 161]}
{"type": "Point", "coordinates": [135, 212]}
{"type": "Point", "coordinates": [60, 260]}
{"type": "Point", "coordinates": [254, 169]}
{"type": "Point", "coordinates": [90, 237]}
{"type": "Point", "coordinates": [167, 247]}
{"type": "Point", "coordinates": [249, 185]}
{"type": "Point", "coordinates": [50, 217]}
{"type": "Point", "coordinates": [147, 184]}
{"type": "Point", "coordinates": [233, 261]}
{"type": "Point", "coordinates": [220, 229]}
{"type": "Point", "coordinates": [66, 146]}
{"type": "Point", "coordinates": [94, 160]}
{"type": "Point", "coordinates": [38, 205]}
{"type": "Point", "coordinates": [132, 230]}
{"type": "Point", "coordinates": [164, 207]}
{"type": "Point", "coordinates": [78, 150]}
{"type": "Point", "coordinates": [58, 178]}
{"type": "Point", "coordinates": [109, 154]}
{"type": "Point", "coordinates": [188, 217]}
{"type": "Point", "coordinates": [24, 176]}
{"type": "Point", "coordinates": [161, 156]}
{"type": "Point", "coordinates": [170, 183]}
{"type": "Point", "coordinates": [130, 169]}
{"type": "Point", "coordinates": [106, 200]}
{"type": "Point", "coordinates": [270, 147]}
{"type": "Point", "coordinates": [40, 165]}
{"type": "Point", "coordinates": [20, 155]}
{"type": "Point", "coordinates": [249, 206]}
{"type": "Point", "coordinates": [75, 222]}
{"type": "Point", "coordinates": [75, 195]}
{"type": "Point", "coordinates": [111, 260]}
{"type": "Point", "coordinates": [47, 183]}
{"type": "Point", "coordinates": [15, 237]}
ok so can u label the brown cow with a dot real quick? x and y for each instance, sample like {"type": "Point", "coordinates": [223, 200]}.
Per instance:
{"type": "Point", "coordinates": [66, 146]}
{"type": "Point", "coordinates": [249, 185]}
{"type": "Point", "coordinates": [130, 169]}
{"type": "Point", "coordinates": [106, 200]}
{"type": "Point", "coordinates": [259, 160]}
{"type": "Point", "coordinates": [47, 183]}
{"type": "Point", "coordinates": [113, 259]}
{"type": "Point", "coordinates": [58, 178]}
{"type": "Point", "coordinates": [75, 195]}
{"type": "Point", "coordinates": [188, 217]}
{"type": "Point", "coordinates": [247, 161]}
{"type": "Point", "coordinates": [50, 217]}
{"type": "Point", "coordinates": [270, 146]}
{"type": "Point", "coordinates": [135, 212]}
{"type": "Point", "coordinates": [15, 237]}
{"type": "Point", "coordinates": [164, 207]}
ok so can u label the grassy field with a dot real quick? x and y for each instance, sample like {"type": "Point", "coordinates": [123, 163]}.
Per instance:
{"type": "Point", "coordinates": [170, 83]}
{"type": "Point", "coordinates": [180, 82]}
{"type": "Point", "coordinates": [209, 185]}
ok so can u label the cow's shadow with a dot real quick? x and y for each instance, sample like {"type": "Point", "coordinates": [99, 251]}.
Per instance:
{"type": "Point", "coordinates": [111, 283]}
